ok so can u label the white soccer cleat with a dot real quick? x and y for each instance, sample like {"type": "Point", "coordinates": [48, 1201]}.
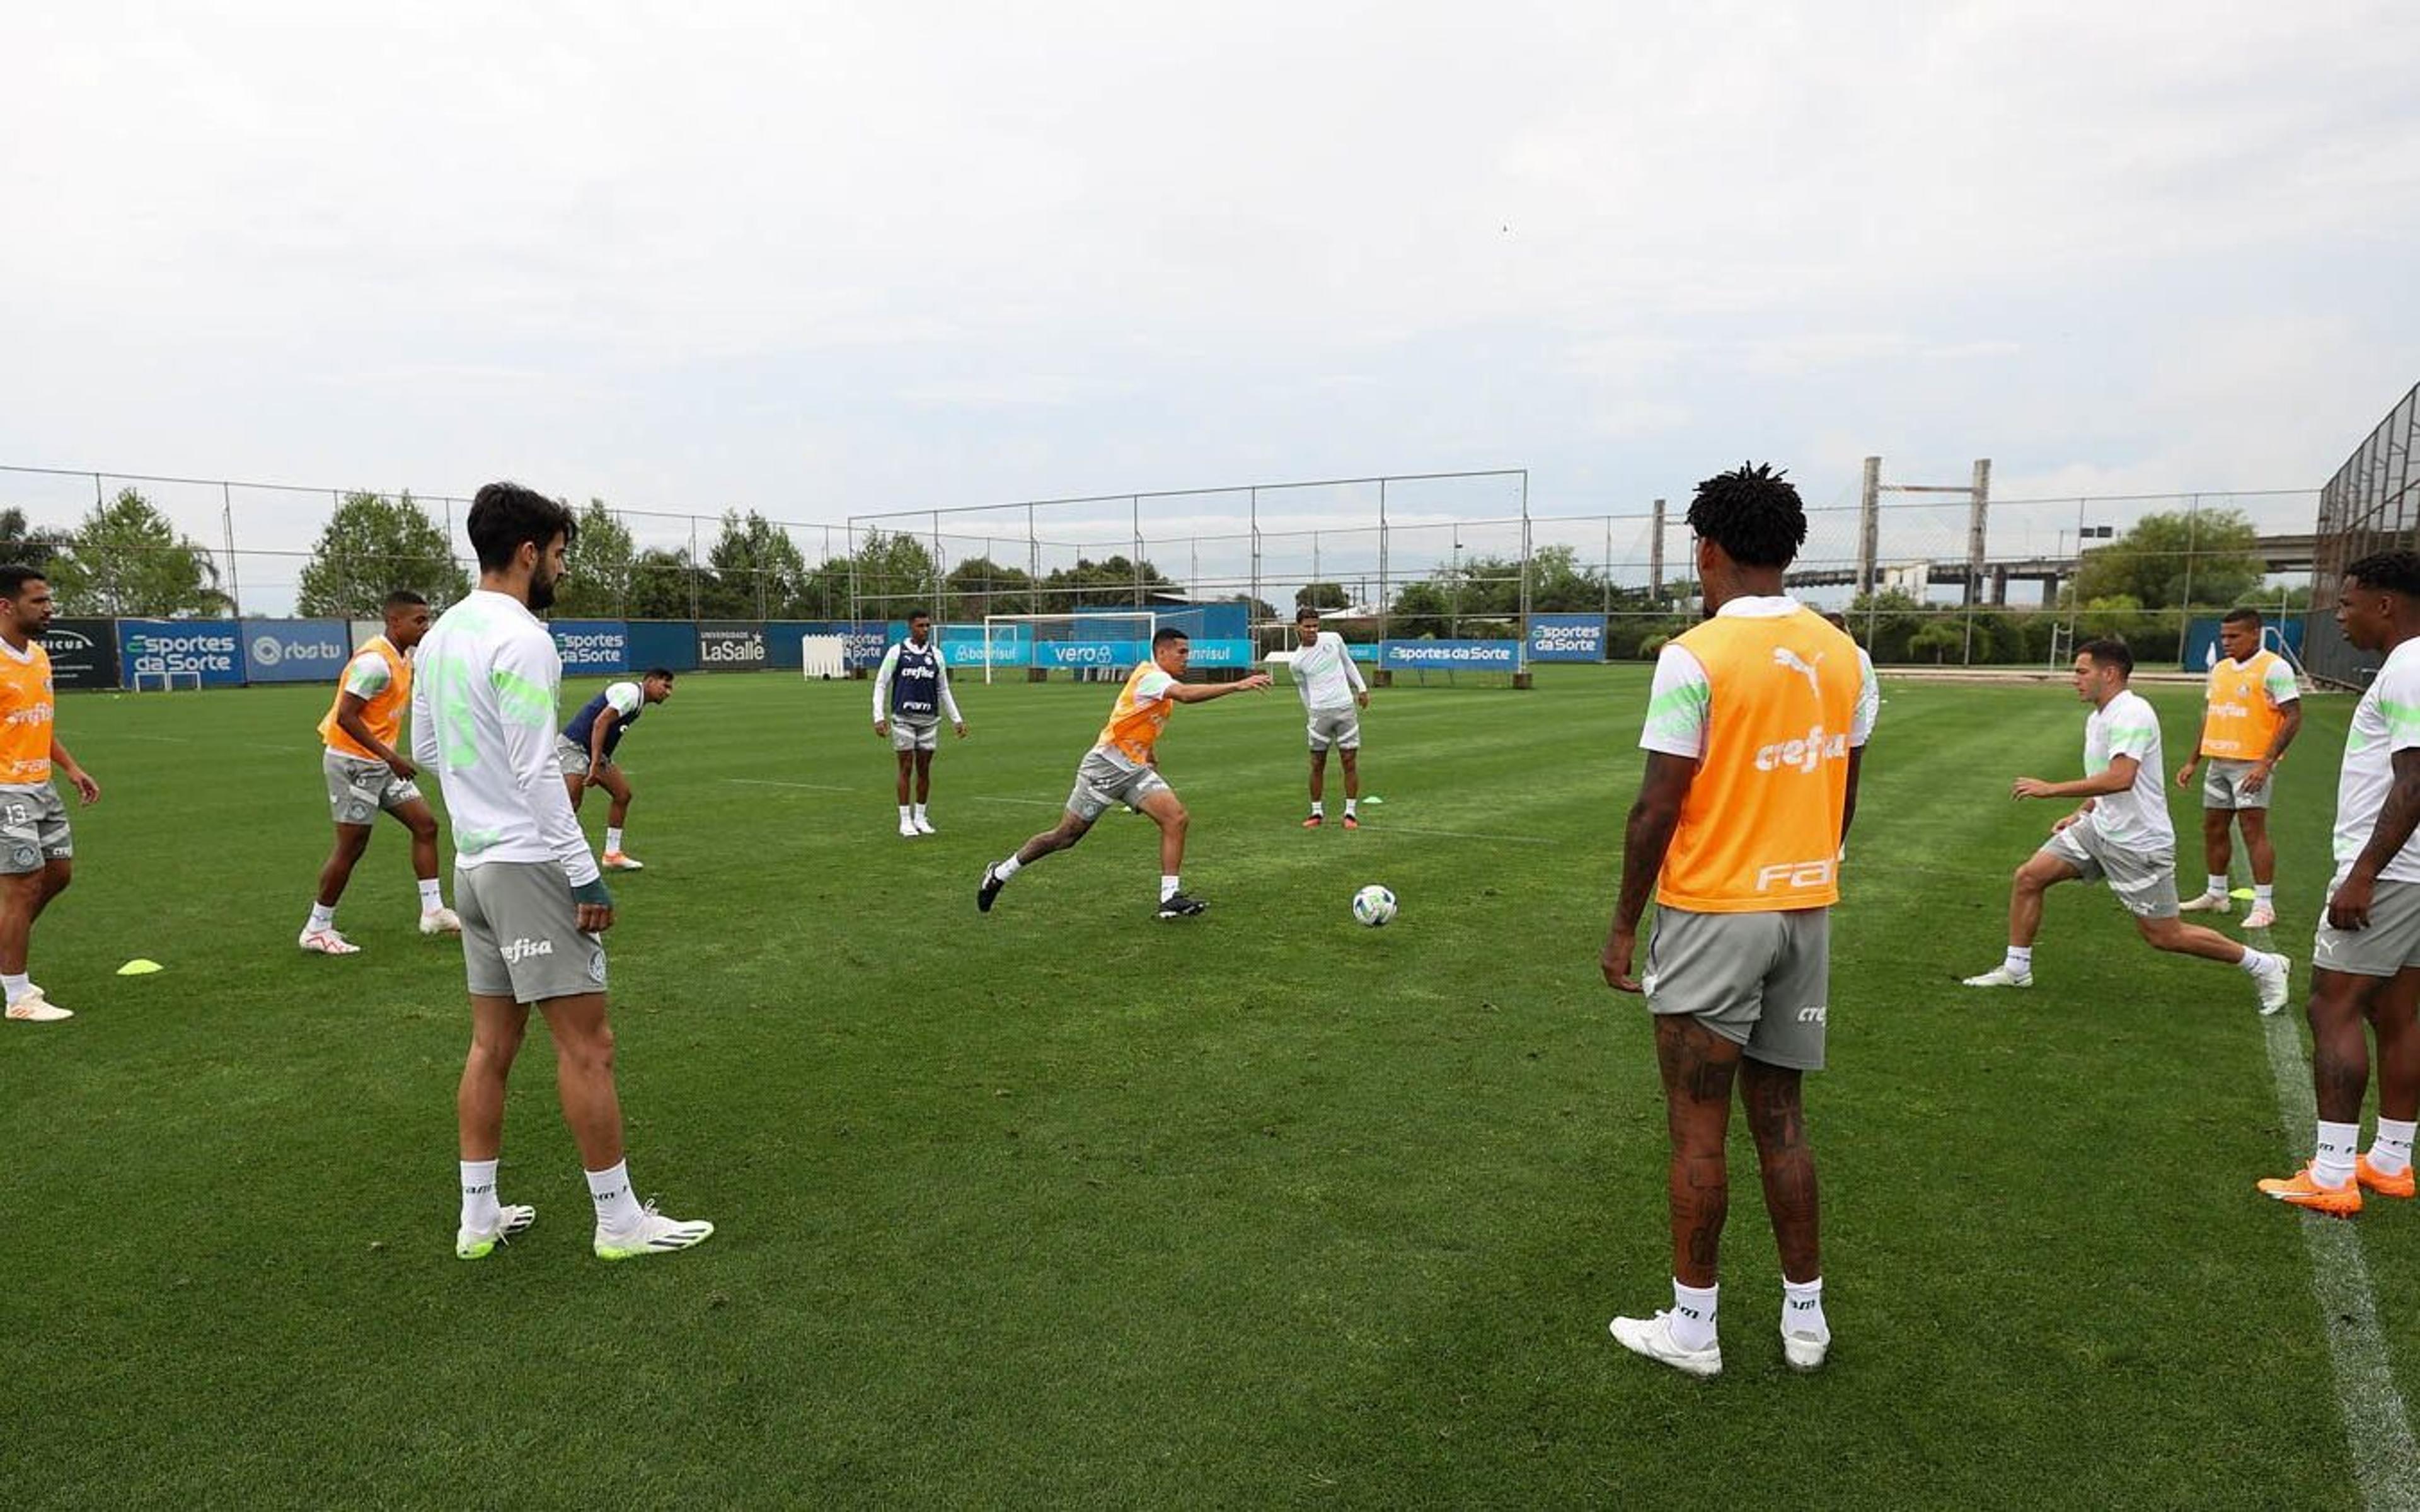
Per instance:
{"type": "Point", "coordinates": [2261, 917]}
{"type": "Point", "coordinates": [1653, 1337]}
{"type": "Point", "coordinates": [2270, 976]}
{"type": "Point", "coordinates": [33, 1008]}
{"type": "Point", "coordinates": [327, 942]}
{"type": "Point", "coordinates": [2209, 903]}
{"type": "Point", "coordinates": [1804, 1351]}
{"type": "Point", "coordinates": [924, 825]}
{"type": "Point", "coordinates": [907, 830]}
{"type": "Point", "coordinates": [2000, 975]}
{"type": "Point", "coordinates": [472, 1244]}
{"type": "Point", "coordinates": [441, 921]}
{"type": "Point", "coordinates": [621, 861]}
{"type": "Point", "coordinates": [655, 1235]}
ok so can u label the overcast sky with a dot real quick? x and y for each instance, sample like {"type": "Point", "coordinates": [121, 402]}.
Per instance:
{"type": "Point", "coordinates": [824, 260]}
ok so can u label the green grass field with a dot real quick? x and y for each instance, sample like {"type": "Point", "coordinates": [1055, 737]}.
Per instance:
{"type": "Point", "coordinates": [1063, 1206]}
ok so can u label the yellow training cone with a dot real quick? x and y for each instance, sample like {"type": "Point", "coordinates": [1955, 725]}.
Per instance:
{"type": "Point", "coordinates": [139, 967]}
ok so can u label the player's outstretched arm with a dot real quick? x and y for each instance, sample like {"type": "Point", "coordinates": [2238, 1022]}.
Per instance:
{"type": "Point", "coordinates": [1645, 840]}
{"type": "Point", "coordinates": [1205, 692]}
{"type": "Point", "coordinates": [2116, 777]}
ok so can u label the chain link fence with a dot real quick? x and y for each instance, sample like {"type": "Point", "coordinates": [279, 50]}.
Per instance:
{"type": "Point", "coordinates": [2371, 505]}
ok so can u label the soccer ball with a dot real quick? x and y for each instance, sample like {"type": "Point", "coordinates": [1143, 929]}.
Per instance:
{"type": "Point", "coordinates": [1373, 905]}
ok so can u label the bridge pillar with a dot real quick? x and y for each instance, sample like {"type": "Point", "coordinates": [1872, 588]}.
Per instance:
{"type": "Point", "coordinates": [1999, 587]}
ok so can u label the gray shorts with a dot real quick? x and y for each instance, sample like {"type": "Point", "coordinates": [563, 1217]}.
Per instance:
{"type": "Point", "coordinates": [2390, 944]}
{"type": "Point", "coordinates": [573, 761]}
{"type": "Point", "coordinates": [1340, 728]}
{"type": "Point", "coordinates": [520, 933]}
{"type": "Point", "coordinates": [1102, 780]}
{"type": "Point", "coordinates": [905, 737]}
{"type": "Point", "coordinates": [359, 789]}
{"type": "Point", "coordinates": [2144, 881]}
{"type": "Point", "coordinates": [1762, 981]}
{"type": "Point", "coordinates": [2221, 785]}
{"type": "Point", "coordinates": [33, 829]}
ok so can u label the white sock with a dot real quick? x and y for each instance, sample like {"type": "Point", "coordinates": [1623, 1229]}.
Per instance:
{"type": "Point", "coordinates": [618, 1210]}
{"type": "Point", "coordinates": [1802, 1309]}
{"type": "Point", "coordinates": [2391, 1150]}
{"type": "Point", "coordinates": [2019, 961]}
{"type": "Point", "coordinates": [2331, 1152]}
{"type": "Point", "coordinates": [322, 916]}
{"type": "Point", "coordinates": [1692, 1318]}
{"type": "Point", "coordinates": [1317, 809]}
{"type": "Point", "coordinates": [2255, 961]}
{"type": "Point", "coordinates": [1008, 868]}
{"type": "Point", "coordinates": [613, 838]}
{"type": "Point", "coordinates": [2218, 886]}
{"type": "Point", "coordinates": [480, 1211]}
{"type": "Point", "coordinates": [907, 812]}
{"type": "Point", "coordinates": [2264, 895]}
{"type": "Point", "coordinates": [18, 986]}
{"type": "Point", "coordinates": [432, 895]}
{"type": "Point", "coordinates": [919, 811]}
{"type": "Point", "coordinates": [1167, 889]}
{"type": "Point", "coordinates": [1350, 805]}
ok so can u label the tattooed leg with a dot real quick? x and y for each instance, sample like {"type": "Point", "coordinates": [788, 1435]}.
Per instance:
{"type": "Point", "coordinates": [1698, 1065]}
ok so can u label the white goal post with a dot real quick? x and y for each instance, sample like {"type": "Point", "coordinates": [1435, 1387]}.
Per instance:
{"type": "Point", "coordinates": [1101, 644]}
{"type": "Point", "coordinates": [166, 677]}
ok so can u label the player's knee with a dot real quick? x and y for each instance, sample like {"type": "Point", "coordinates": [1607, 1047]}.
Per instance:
{"type": "Point", "coordinates": [423, 825]}
{"type": "Point", "coordinates": [2163, 934]}
{"type": "Point", "coordinates": [592, 1052]}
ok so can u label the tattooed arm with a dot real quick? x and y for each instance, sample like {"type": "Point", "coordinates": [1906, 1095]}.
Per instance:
{"type": "Point", "coordinates": [2349, 909]}
{"type": "Point", "coordinates": [1653, 819]}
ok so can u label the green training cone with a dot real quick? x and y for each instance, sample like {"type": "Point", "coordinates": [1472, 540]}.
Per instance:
{"type": "Point", "coordinates": [140, 967]}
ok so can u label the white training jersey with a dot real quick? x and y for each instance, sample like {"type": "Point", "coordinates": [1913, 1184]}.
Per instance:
{"type": "Point", "coordinates": [1325, 675]}
{"type": "Point", "coordinates": [483, 720]}
{"type": "Point", "coordinates": [2386, 721]}
{"type": "Point", "coordinates": [2135, 818]}
{"type": "Point", "coordinates": [624, 698]}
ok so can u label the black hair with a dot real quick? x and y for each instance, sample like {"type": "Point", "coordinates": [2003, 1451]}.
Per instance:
{"type": "Point", "coordinates": [16, 574]}
{"type": "Point", "coordinates": [2242, 616]}
{"type": "Point", "coordinates": [665, 672]}
{"type": "Point", "coordinates": [404, 598]}
{"type": "Point", "coordinates": [915, 614]}
{"type": "Point", "coordinates": [2108, 652]}
{"type": "Point", "coordinates": [1168, 633]}
{"type": "Point", "coordinates": [1753, 513]}
{"type": "Point", "coordinates": [505, 515]}
{"type": "Point", "coordinates": [2389, 572]}
{"type": "Point", "coordinates": [1304, 612]}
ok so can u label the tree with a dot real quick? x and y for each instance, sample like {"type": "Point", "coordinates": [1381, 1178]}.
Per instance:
{"type": "Point", "coordinates": [372, 545]}
{"type": "Point", "coordinates": [659, 585]}
{"type": "Point", "coordinates": [2212, 556]}
{"type": "Point", "coordinates": [29, 545]}
{"type": "Point", "coordinates": [597, 571]}
{"type": "Point", "coordinates": [126, 559]}
{"type": "Point", "coordinates": [758, 571]}
{"type": "Point", "coordinates": [1322, 595]}
{"type": "Point", "coordinates": [1422, 609]}
{"type": "Point", "coordinates": [979, 586]}
{"type": "Point", "coordinates": [894, 574]}
{"type": "Point", "coordinates": [1558, 583]}
{"type": "Point", "coordinates": [1103, 584]}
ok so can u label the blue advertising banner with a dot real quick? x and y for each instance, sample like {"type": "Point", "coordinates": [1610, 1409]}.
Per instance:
{"type": "Point", "coordinates": [592, 646]}
{"type": "Point", "coordinates": [782, 641]}
{"type": "Point", "coordinates": [1363, 651]}
{"type": "Point", "coordinates": [212, 649]}
{"type": "Point", "coordinates": [1090, 653]}
{"type": "Point", "coordinates": [295, 650]}
{"type": "Point", "coordinates": [1451, 655]}
{"type": "Point", "coordinates": [1223, 654]}
{"type": "Point", "coordinates": [962, 645]}
{"type": "Point", "coordinates": [671, 644]}
{"type": "Point", "coordinates": [863, 643]}
{"type": "Point", "coordinates": [2201, 641]}
{"type": "Point", "coordinates": [1567, 638]}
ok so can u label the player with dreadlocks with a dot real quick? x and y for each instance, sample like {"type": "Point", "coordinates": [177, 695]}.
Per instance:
{"type": "Point", "coordinates": [1755, 731]}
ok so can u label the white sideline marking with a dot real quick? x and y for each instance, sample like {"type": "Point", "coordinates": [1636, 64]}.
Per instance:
{"type": "Point", "coordinates": [768, 782]}
{"type": "Point", "coordinates": [163, 740]}
{"type": "Point", "coordinates": [1383, 827]}
{"type": "Point", "coordinates": [2378, 1427]}
{"type": "Point", "coordinates": [1029, 803]}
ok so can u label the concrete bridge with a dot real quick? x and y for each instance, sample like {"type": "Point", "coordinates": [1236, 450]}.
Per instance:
{"type": "Point", "coordinates": [1993, 574]}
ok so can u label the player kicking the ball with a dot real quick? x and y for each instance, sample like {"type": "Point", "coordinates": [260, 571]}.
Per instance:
{"type": "Point", "coordinates": [531, 899]}
{"type": "Point", "coordinates": [2120, 832]}
{"type": "Point", "coordinates": [2366, 963]}
{"type": "Point", "coordinates": [1122, 768]}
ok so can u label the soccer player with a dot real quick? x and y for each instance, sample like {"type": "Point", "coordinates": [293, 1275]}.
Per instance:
{"type": "Point", "coordinates": [2366, 961]}
{"type": "Point", "coordinates": [366, 773]}
{"type": "Point", "coordinates": [533, 902]}
{"type": "Point", "coordinates": [2119, 832]}
{"type": "Point", "coordinates": [1333, 696]}
{"type": "Point", "coordinates": [1123, 767]}
{"type": "Point", "coordinates": [912, 695]}
{"type": "Point", "coordinates": [584, 753]}
{"type": "Point", "coordinates": [2253, 712]}
{"type": "Point", "coordinates": [1754, 739]}
{"type": "Point", "coordinates": [37, 851]}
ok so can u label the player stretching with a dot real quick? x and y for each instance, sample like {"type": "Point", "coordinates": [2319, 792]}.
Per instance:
{"type": "Point", "coordinates": [2366, 964]}
{"type": "Point", "coordinates": [912, 695]}
{"type": "Point", "coordinates": [37, 852]}
{"type": "Point", "coordinates": [1753, 736]}
{"type": "Point", "coordinates": [367, 772]}
{"type": "Point", "coordinates": [584, 753]}
{"type": "Point", "coordinates": [1333, 696]}
{"type": "Point", "coordinates": [1121, 767]}
{"type": "Point", "coordinates": [2255, 711]}
{"type": "Point", "coordinates": [533, 902]}
{"type": "Point", "coordinates": [2120, 832]}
